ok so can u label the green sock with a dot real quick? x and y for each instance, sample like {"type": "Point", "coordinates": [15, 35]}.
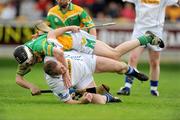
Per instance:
{"type": "Point", "coordinates": [145, 39]}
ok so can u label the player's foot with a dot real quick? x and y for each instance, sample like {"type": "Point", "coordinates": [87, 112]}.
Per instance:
{"type": "Point", "coordinates": [124, 91]}
{"type": "Point", "coordinates": [154, 93]}
{"type": "Point", "coordinates": [156, 40]}
{"type": "Point", "coordinates": [116, 99]}
{"type": "Point", "coordinates": [140, 76]}
{"type": "Point", "coordinates": [111, 98]}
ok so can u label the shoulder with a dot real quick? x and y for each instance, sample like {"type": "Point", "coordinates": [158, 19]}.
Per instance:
{"type": "Point", "coordinates": [55, 8]}
{"type": "Point", "coordinates": [77, 8]}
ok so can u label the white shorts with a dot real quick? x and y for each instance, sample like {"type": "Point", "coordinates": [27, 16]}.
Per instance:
{"type": "Point", "coordinates": [83, 67]}
{"type": "Point", "coordinates": [83, 42]}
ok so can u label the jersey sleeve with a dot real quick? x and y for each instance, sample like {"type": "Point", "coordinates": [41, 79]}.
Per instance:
{"type": "Point", "coordinates": [86, 19]}
{"type": "Point", "coordinates": [48, 49]}
{"type": "Point", "coordinates": [170, 2]}
{"type": "Point", "coordinates": [63, 95]}
{"type": "Point", "coordinates": [57, 86]}
{"type": "Point", "coordinates": [23, 69]}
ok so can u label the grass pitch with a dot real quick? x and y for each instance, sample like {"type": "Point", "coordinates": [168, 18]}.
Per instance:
{"type": "Point", "coordinates": [17, 103]}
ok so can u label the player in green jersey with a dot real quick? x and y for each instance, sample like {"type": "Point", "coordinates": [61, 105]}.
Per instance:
{"type": "Point", "coordinates": [66, 14]}
{"type": "Point", "coordinates": [35, 50]}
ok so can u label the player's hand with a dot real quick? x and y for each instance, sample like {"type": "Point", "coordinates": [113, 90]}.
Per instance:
{"type": "Point", "coordinates": [75, 29]}
{"type": "Point", "coordinates": [86, 98]}
{"type": "Point", "coordinates": [34, 36]}
{"type": "Point", "coordinates": [35, 90]}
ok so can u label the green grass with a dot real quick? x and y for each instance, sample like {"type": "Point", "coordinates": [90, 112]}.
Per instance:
{"type": "Point", "coordinates": [17, 103]}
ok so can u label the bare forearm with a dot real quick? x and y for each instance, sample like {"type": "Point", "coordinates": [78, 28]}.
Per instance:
{"type": "Point", "coordinates": [60, 31]}
{"type": "Point", "coordinates": [23, 83]}
{"type": "Point", "coordinates": [59, 55]}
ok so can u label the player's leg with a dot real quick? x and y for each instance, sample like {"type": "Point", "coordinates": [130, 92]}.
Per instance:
{"type": "Point", "coordinates": [104, 64]}
{"type": "Point", "coordinates": [133, 61]}
{"type": "Point", "coordinates": [103, 99]}
{"type": "Point", "coordinates": [154, 62]}
{"type": "Point", "coordinates": [103, 49]}
{"type": "Point", "coordinates": [97, 98]}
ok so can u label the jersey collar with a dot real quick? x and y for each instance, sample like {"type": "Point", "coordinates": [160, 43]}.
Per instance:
{"type": "Point", "coordinates": [70, 7]}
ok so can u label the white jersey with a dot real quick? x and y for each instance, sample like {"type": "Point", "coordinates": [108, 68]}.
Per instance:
{"type": "Point", "coordinates": [81, 67]}
{"type": "Point", "coordinates": [150, 16]}
{"type": "Point", "coordinates": [81, 42]}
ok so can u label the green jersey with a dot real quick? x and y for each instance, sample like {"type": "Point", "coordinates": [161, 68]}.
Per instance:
{"type": "Point", "coordinates": [75, 15]}
{"type": "Point", "coordinates": [40, 48]}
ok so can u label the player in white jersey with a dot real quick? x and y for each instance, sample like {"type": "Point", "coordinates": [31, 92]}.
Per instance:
{"type": "Point", "coordinates": [81, 68]}
{"type": "Point", "coordinates": [150, 15]}
{"type": "Point", "coordinates": [84, 42]}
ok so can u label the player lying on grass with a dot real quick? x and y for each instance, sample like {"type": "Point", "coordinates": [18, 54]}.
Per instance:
{"type": "Point", "coordinates": [35, 50]}
{"type": "Point", "coordinates": [81, 68]}
{"type": "Point", "coordinates": [99, 94]}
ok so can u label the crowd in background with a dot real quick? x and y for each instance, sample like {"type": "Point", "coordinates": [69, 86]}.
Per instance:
{"type": "Point", "coordinates": [98, 9]}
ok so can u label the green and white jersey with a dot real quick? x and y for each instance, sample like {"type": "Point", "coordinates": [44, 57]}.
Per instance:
{"type": "Point", "coordinates": [40, 48]}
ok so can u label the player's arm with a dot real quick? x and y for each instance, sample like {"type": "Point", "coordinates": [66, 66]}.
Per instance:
{"type": "Point", "coordinates": [59, 55]}
{"type": "Point", "coordinates": [24, 83]}
{"type": "Point", "coordinates": [59, 31]}
{"type": "Point", "coordinates": [87, 22]}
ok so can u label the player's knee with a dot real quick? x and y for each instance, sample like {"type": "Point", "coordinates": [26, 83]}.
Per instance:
{"type": "Point", "coordinates": [133, 59]}
{"type": "Point", "coordinates": [121, 68]}
{"type": "Point", "coordinates": [154, 63]}
{"type": "Point", "coordinates": [115, 55]}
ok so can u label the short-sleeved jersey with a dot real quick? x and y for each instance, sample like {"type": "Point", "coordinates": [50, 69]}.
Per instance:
{"type": "Point", "coordinates": [150, 15]}
{"type": "Point", "coordinates": [80, 41]}
{"type": "Point", "coordinates": [40, 48]}
{"type": "Point", "coordinates": [81, 67]}
{"type": "Point", "coordinates": [75, 15]}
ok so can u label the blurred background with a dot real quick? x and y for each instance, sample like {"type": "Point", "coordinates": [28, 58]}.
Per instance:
{"type": "Point", "coordinates": [17, 18]}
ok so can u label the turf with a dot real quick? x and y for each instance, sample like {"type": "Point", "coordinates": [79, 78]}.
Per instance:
{"type": "Point", "coordinates": [17, 103]}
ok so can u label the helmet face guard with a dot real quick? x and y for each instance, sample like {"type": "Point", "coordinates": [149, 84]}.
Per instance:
{"type": "Point", "coordinates": [23, 54]}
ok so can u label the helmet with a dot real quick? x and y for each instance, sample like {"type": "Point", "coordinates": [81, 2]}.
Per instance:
{"type": "Point", "coordinates": [23, 54]}
{"type": "Point", "coordinates": [63, 3]}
